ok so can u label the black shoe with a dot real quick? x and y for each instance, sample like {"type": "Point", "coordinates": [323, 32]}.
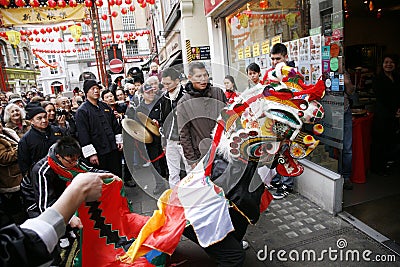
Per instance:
{"type": "Point", "coordinates": [159, 189]}
{"type": "Point", "coordinates": [275, 185]}
{"type": "Point", "coordinates": [347, 185]}
{"type": "Point", "coordinates": [282, 192]}
{"type": "Point", "coordinates": [130, 183]}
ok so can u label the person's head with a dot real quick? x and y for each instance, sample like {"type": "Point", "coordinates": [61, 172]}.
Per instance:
{"type": "Point", "coordinates": [108, 96]}
{"type": "Point", "coordinates": [253, 72]}
{"type": "Point", "coordinates": [50, 109]}
{"type": "Point", "coordinates": [120, 94]}
{"type": "Point", "coordinates": [16, 99]}
{"type": "Point", "coordinates": [389, 63]}
{"type": "Point", "coordinates": [63, 102]}
{"type": "Point", "coordinates": [153, 67]}
{"type": "Point", "coordinates": [198, 75]}
{"type": "Point", "coordinates": [13, 113]}
{"type": "Point", "coordinates": [92, 90]}
{"type": "Point", "coordinates": [278, 54]}
{"type": "Point", "coordinates": [37, 116]}
{"type": "Point", "coordinates": [153, 82]}
{"type": "Point", "coordinates": [130, 87]}
{"type": "Point", "coordinates": [229, 83]}
{"type": "Point", "coordinates": [137, 81]}
{"type": "Point", "coordinates": [170, 79]}
{"type": "Point", "coordinates": [148, 92]}
{"type": "Point", "coordinates": [67, 150]}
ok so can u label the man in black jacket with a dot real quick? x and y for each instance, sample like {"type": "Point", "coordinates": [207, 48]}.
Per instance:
{"type": "Point", "coordinates": [169, 125]}
{"type": "Point", "coordinates": [98, 131]}
{"type": "Point", "coordinates": [32, 147]}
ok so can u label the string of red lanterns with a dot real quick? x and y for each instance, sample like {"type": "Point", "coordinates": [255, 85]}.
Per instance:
{"type": "Point", "coordinates": [73, 3]}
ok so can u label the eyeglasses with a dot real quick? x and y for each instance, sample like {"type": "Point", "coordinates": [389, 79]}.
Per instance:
{"type": "Point", "coordinates": [73, 162]}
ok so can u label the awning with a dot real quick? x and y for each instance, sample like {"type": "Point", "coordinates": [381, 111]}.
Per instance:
{"type": "Point", "coordinates": [172, 60]}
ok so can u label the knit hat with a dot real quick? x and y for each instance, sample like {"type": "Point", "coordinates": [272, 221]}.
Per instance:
{"type": "Point", "coordinates": [32, 109]}
{"type": "Point", "coordinates": [89, 84]}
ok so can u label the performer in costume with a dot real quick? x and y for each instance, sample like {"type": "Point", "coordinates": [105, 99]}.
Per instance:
{"type": "Point", "coordinates": [224, 193]}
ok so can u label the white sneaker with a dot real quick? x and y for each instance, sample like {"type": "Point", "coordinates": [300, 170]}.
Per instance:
{"type": "Point", "coordinates": [64, 242]}
{"type": "Point", "coordinates": [245, 244]}
{"type": "Point", "coordinates": [147, 164]}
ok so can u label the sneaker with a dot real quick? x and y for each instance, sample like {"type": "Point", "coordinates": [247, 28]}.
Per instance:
{"type": "Point", "coordinates": [147, 164]}
{"type": "Point", "coordinates": [275, 185]}
{"type": "Point", "coordinates": [64, 242]}
{"type": "Point", "coordinates": [245, 244]}
{"type": "Point", "coordinates": [282, 192]}
{"type": "Point", "coordinates": [347, 185]}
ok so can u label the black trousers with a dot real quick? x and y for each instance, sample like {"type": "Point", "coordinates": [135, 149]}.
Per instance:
{"type": "Point", "coordinates": [229, 251]}
{"type": "Point", "coordinates": [111, 162]}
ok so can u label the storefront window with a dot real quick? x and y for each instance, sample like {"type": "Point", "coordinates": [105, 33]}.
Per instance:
{"type": "Point", "coordinates": [313, 34]}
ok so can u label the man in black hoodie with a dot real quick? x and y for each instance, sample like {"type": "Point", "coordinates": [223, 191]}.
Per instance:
{"type": "Point", "coordinates": [197, 113]}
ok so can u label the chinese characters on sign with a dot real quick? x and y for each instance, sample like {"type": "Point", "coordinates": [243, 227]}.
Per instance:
{"type": "Point", "coordinates": [201, 53]}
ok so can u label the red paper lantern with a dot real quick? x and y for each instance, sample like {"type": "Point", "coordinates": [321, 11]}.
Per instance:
{"type": "Point", "coordinates": [140, 1]}
{"type": "Point", "coordinates": [128, 2]}
{"type": "Point", "coordinates": [35, 32]}
{"type": "Point", "coordinates": [78, 40]}
{"type": "Point", "coordinates": [118, 2]}
{"type": "Point", "coordinates": [104, 17]}
{"type": "Point", "coordinates": [152, 2]}
{"type": "Point", "coordinates": [132, 8]}
{"type": "Point", "coordinates": [63, 27]}
{"type": "Point", "coordinates": [44, 39]}
{"type": "Point", "coordinates": [143, 5]}
{"type": "Point", "coordinates": [84, 39]}
{"type": "Point", "coordinates": [114, 14]}
{"type": "Point", "coordinates": [34, 3]}
{"type": "Point", "coordinates": [99, 3]}
{"type": "Point", "coordinates": [126, 35]}
{"type": "Point", "coordinates": [60, 40]}
{"type": "Point", "coordinates": [117, 36]}
{"type": "Point", "coordinates": [49, 30]}
{"type": "Point", "coordinates": [20, 3]}
{"type": "Point", "coordinates": [71, 39]}
{"type": "Point", "coordinates": [124, 11]}
{"type": "Point", "coordinates": [22, 32]}
{"type": "Point", "coordinates": [28, 32]}
{"type": "Point", "coordinates": [56, 28]}
{"type": "Point", "coordinates": [111, 2]}
{"type": "Point", "coordinates": [88, 3]}
{"type": "Point", "coordinates": [4, 3]}
{"type": "Point", "coordinates": [42, 31]}
{"type": "Point", "coordinates": [51, 40]}
{"type": "Point", "coordinates": [52, 3]}
{"type": "Point", "coordinates": [74, 50]}
{"type": "Point", "coordinates": [30, 38]}
{"type": "Point", "coordinates": [23, 38]}
{"type": "Point", "coordinates": [103, 38]}
{"type": "Point", "coordinates": [61, 3]}
{"type": "Point", "coordinates": [37, 39]}
{"type": "Point", "coordinates": [79, 50]}
{"type": "Point", "coordinates": [73, 3]}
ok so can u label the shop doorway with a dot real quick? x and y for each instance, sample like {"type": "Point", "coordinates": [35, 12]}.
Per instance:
{"type": "Point", "coordinates": [369, 35]}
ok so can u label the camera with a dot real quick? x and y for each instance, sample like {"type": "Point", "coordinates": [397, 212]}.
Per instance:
{"type": "Point", "coordinates": [60, 112]}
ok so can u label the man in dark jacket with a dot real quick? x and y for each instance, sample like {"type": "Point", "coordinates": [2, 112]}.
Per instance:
{"type": "Point", "coordinates": [98, 131]}
{"type": "Point", "coordinates": [169, 125]}
{"type": "Point", "coordinates": [197, 113]}
{"type": "Point", "coordinates": [32, 147]}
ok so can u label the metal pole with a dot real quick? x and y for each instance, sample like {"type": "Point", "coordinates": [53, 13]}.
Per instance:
{"type": "Point", "coordinates": [112, 30]}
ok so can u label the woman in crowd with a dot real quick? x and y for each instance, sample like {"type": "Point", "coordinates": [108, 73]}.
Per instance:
{"type": "Point", "coordinates": [230, 89]}
{"type": "Point", "coordinates": [54, 118]}
{"type": "Point", "coordinates": [387, 90]}
{"type": "Point", "coordinates": [14, 118]}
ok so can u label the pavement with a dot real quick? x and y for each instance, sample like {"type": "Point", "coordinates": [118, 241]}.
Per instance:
{"type": "Point", "coordinates": [292, 232]}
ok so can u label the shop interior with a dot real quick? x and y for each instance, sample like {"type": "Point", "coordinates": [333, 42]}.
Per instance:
{"type": "Point", "coordinates": [370, 33]}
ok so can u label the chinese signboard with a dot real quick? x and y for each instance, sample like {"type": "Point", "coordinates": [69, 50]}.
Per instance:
{"type": "Point", "coordinates": [201, 53]}
{"type": "Point", "coordinates": [41, 15]}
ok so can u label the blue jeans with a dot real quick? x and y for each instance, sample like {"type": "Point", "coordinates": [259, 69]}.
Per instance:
{"type": "Point", "coordinates": [286, 180]}
{"type": "Point", "coordinates": [347, 153]}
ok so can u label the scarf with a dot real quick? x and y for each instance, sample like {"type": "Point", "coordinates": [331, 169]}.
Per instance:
{"type": "Point", "coordinates": [64, 173]}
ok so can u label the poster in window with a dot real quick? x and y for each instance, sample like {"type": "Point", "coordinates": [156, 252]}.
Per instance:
{"type": "Point", "coordinates": [315, 49]}
{"type": "Point", "coordinates": [305, 70]}
{"type": "Point", "coordinates": [294, 51]}
{"type": "Point", "coordinates": [304, 50]}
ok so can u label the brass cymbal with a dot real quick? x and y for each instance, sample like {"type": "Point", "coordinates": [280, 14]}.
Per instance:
{"type": "Point", "coordinates": [148, 123]}
{"type": "Point", "coordinates": [137, 131]}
